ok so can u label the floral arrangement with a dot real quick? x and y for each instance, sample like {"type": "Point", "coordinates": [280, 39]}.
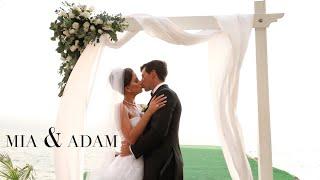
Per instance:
{"type": "Point", "coordinates": [75, 27]}
{"type": "Point", "coordinates": [143, 107]}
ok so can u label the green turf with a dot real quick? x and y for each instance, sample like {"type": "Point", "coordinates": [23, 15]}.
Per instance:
{"type": "Point", "coordinates": [207, 163]}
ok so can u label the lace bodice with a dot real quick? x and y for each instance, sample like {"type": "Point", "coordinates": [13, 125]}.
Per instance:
{"type": "Point", "coordinates": [134, 115]}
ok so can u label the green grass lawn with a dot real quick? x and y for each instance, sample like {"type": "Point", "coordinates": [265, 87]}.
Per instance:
{"type": "Point", "coordinates": [207, 163]}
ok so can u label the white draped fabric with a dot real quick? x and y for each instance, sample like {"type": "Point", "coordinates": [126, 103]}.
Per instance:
{"type": "Point", "coordinates": [226, 47]}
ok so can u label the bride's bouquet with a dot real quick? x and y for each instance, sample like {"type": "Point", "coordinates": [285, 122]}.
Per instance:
{"type": "Point", "coordinates": [75, 27]}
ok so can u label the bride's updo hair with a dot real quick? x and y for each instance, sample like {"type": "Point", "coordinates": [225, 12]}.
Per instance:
{"type": "Point", "coordinates": [116, 76]}
{"type": "Point", "coordinates": [128, 72]}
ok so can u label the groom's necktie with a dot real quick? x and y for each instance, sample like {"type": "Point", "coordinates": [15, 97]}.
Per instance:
{"type": "Point", "coordinates": [149, 101]}
{"type": "Point", "coordinates": [150, 98]}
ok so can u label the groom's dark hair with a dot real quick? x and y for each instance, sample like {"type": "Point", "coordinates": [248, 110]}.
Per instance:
{"type": "Point", "coordinates": [160, 67]}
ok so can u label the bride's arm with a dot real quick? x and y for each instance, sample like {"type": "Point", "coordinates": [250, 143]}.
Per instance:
{"type": "Point", "coordinates": [130, 133]}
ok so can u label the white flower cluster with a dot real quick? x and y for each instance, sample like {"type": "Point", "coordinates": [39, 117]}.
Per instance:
{"type": "Point", "coordinates": [75, 27]}
{"type": "Point", "coordinates": [88, 25]}
{"type": "Point", "coordinates": [75, 46]}
{"type": "Point", "coordinates": [82, 10]}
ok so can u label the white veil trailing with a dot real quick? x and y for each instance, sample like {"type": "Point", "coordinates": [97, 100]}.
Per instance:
{"type": "Point", "coordinates": [104, 120]}
{"type": "Point", "coordinates": [88, 97]}
{"type": "Point", "coordinates": [116, 79]}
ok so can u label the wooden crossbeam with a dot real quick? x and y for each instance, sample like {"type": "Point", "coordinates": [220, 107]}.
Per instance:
{"type": "Point", "coordinates": [208, 22]}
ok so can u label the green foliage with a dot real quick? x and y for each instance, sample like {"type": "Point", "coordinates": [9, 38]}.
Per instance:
{"type": "Point", "coordinates": [10, 172]}
{"type": "Point", "coordinates": [75, 27]}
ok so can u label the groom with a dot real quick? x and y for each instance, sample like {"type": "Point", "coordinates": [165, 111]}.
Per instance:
{"type": "Point", "coordinates": [159, 143]}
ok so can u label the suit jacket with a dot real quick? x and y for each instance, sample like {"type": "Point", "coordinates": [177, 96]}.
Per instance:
{"type": "Point", "coordinates": [159, 143]}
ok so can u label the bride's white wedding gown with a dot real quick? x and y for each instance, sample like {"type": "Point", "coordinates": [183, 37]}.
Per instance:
{"type": "Point", "coordinates": [122, 168]}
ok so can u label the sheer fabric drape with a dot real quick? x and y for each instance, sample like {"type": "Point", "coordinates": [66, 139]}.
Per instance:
{"type": "Point", "coordinates": [226, 47]}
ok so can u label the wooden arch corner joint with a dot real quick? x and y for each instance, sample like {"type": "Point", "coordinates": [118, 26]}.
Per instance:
{"type": "Point", "coordinates": [264, 20]}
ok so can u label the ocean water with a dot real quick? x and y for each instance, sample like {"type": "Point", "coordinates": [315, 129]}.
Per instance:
{"type": "Point", "coordinates": [302, 161]}
{"type": "Point", "coordinates": [40, 157]}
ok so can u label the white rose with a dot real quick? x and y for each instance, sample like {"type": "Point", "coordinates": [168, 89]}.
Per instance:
{"type": "Point", "coordinates": [92, 28]}
{"type": "Point", "coordinates": [78, 9]}
{"type": "Point", "coordinates": [71, 15]}
{"type": "Point", "coordinates": [73, 48]}
{"type": "Point", "coordinates": [100, 21]}
{"type": "Point", "coordinates": [72, 31]}
{"type": "Point", "coordinates": [69, 58]}
{"type": "Point", "coordinates": [76, 42]}
{"type": "Point", "coordinates": [86, 29]}
{"type": "Point", "coordinates": [86, 24]}
{"type": "Point", "coordinates": [66, 33]}
{"type": "Point", "coordinates": [86, 14]}
{"type": "Point", "coordinates": [75, 25]}
{"type": "Point", "coordinates": [82, 14]}
{"type": "Point", "coordinates": [100, 31]}
{"type": "Point", "coordinates": [62, 13]}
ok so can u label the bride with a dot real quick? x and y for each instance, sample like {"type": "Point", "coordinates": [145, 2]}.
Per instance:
{"type": "Point", "coordinates": [132, 123]}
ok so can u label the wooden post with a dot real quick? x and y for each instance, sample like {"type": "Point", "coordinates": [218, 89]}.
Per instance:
{"type": "Point", "coordinates": [265, 153]}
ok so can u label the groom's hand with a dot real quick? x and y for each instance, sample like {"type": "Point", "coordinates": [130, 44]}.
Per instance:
{"type": "Point", "coordinates": [125, 151]}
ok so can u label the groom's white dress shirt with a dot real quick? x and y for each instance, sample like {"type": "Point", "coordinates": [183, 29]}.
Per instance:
{"type": "Point", "coordinates": [157, 87]}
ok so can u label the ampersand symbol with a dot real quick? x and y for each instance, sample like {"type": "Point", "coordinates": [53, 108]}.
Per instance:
{"type": "Point", "coordinates": [51, 131]}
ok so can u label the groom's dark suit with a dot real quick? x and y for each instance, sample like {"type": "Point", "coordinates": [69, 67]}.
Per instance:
{"type": "Point", "coordinates": [159, 143]}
